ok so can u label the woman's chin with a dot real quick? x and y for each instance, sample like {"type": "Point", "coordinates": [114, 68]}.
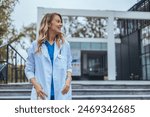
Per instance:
{"type": "Point", "coordinates": [59, 32]}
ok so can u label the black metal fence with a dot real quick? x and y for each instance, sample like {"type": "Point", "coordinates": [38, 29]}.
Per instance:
{"type": "Point", "coordinates": [12, 65]}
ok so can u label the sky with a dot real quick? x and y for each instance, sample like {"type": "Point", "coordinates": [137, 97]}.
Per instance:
{"type": "Point", "coordinates": [25, 11]}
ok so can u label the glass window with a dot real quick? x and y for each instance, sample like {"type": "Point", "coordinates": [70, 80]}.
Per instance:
{"type": "Point", "coordinates": [148, 72]}
{"type": "Point", "coordinates": [144, 73]}
{"type": "Point", "coordinates": [95, 46]}
{"type": "Point", "coordinates": [85, 46]}
{"type": "Point", "coordinates": [103, 46]}
{"type": "Point", "coordinates": [143, 60]}
{"type": "Point", "coordinates": [148, 58]}
{"type": "Point", "coordinates": [145, 48]}
{"type": "Point", "coordinates": [75, 45]}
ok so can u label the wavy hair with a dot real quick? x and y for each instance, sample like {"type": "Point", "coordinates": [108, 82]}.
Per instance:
{"type": "Point", "coordinates": [44, 30]}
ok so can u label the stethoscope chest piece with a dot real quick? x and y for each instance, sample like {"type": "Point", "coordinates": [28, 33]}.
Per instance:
{"type": "Point", "coordinates": [59, 56]}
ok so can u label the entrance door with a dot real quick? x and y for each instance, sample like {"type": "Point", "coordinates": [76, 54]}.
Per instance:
{"type": "Point", "coordinates": [94, 65]}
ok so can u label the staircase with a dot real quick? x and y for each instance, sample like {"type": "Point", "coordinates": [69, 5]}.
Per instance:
{"type": "Point", "coordinates": [15, 91]}
{"type": "Point", "coordinates": [110, 90]}
{"type": "Point", "coordinates": [86, 90]}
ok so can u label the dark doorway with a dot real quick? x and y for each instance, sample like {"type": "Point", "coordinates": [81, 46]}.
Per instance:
{"type": "Point", "coordinates": [93, 65]}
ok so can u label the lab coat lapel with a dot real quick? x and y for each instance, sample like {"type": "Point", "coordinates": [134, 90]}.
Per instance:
{"type": "Point", "coordinates": [56, 50]}
{"type": "Point", "coordinates": [45, 52]}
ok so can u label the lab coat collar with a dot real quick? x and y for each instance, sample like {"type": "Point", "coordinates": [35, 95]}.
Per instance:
{"type": "Point", "coordinates": [56, 50]}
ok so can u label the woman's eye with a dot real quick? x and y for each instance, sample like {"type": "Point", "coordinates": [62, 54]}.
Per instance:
{"type": "Point", "coordinates": [58, 21]}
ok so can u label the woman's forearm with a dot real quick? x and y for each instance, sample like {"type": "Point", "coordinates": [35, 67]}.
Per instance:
{"type": "Point", "coordinates": [69, 78]}
{"type": "Point", "coordinates": [34, 82]}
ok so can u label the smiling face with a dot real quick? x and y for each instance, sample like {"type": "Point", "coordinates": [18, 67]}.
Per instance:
{"type": "Point", "coordinates": [56, 24]}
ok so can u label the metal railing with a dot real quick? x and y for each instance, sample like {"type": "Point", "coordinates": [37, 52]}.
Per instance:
{"type": "Point", "coordinates": [12, 65]}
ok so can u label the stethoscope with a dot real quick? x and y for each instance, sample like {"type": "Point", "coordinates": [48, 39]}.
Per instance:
{"type": "Point", "coordinates": [59, 55]}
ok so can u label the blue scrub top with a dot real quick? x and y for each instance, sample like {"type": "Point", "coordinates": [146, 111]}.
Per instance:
{"type": "Point", "coordinates": [51, 54]}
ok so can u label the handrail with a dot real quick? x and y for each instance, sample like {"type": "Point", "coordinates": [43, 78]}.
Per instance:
{"type": "Point", "coordinates": [2, 67]}
{"type": "Point", "coordinates": [14, 66]}
{"type": "Point", "coordinates": [16, 51]}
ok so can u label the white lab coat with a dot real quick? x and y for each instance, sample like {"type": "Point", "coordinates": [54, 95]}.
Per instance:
{"type": "Point", "coordinates": [39, 65]}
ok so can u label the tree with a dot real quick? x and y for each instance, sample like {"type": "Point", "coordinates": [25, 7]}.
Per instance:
{"type": "Point", "coordinates": [84, 27]}
{"type": "Point", "coordinates": [6, 27]}
{"type": "Point", "coordinates": [8, 33]}
{"type": "Point", "coordinates": [28, 32]}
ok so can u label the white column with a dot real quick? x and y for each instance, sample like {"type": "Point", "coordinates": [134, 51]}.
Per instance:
{"type": "Point", "coordinates": [40, 12]}
{"type": "Point", "coordinates": [111, 54]}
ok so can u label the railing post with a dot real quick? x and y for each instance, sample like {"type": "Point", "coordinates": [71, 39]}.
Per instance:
{"type": "Point", "coordinates": [20, 67]}
{"type": "Point", "coordinates": [16, 73]}
{"type": "Point", "coordinates": [7, 63]}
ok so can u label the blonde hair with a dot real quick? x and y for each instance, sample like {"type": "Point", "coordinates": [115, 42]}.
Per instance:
{"type": "Point", "coordinates": [44, 30]}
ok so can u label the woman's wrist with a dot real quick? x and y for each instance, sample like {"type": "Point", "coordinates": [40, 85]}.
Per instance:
{"type": "Point", "coordinates": [69, 78]}
{"type": "Point", "coordinates": [34, 83]}
{"type": "Point", "coordinates": [69, 74]}
{"type": "Point", "coordinates": [68, 81]}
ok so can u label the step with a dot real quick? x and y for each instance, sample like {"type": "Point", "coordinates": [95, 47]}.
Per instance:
{"type": "Point", "coordinates": [16, 86]}
{"type": "Point", "coordinates": [26, 92]}
{"type": "Point", "coordinates": [111, 84]}
{"type": "Point", "coordinates": [80, 86]}
{"type": "Point", "coordinates": [15, 92]}
{"type": "Point", "coordinates": [15, 97]}
{"type": "Point", "coordinates": [111, 97]}
{"type": "Point", "coordinates": [89, 85]}
{"type": "Point", "coordinates": [111, 91]}
{"type": "Point", "coordinates": [88, 97]}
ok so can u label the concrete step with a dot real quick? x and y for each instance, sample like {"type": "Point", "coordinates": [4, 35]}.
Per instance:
{"type": "Point", "coordinates": [16, 86]}
{"type": "Point", "coordinates": [89, 85]}
{"type": "Point", "coordinates": [15, 92]}
{"type": "Point", "coordinates": [88, 97]}
{"type": "Point", "coordinates": [15, 97]}
{"type": "Point", "coordinates": [111, 85]}
{"type": "Point", "coordinates": [27, 92]}
{"type": "Point", "coordinates": [111, 91]}
{"type": "Point", "coordinates": [111, 97]}
{"type": "Point", "coordinates": [83, 90]}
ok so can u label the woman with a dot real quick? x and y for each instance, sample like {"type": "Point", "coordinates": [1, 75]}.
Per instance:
{"type": "Point", "coordinates": [48, 66]}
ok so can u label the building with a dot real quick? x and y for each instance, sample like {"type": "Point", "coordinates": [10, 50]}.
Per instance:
{"type": "Point", "coordinates": [133, 54]}
{"type": "Point", "coordinates": [101, 53]}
